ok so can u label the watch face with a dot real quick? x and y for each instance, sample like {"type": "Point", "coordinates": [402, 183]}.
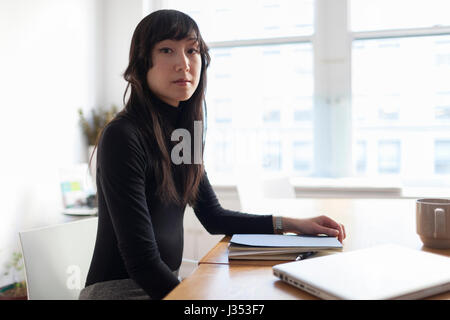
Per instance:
{"type": "Point", "coordinates": [278, 223]}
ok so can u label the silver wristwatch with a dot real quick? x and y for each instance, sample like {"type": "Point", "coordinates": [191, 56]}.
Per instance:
{"type": "Point", "coordinates": [278, 225]}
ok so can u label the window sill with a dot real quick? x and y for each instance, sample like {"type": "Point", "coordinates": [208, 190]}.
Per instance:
{"type": "Point", "coordinates": [348, 188]}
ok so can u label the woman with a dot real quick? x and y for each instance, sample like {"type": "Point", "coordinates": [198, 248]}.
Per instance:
{"type": "Point", "coordinates": [142, 194]}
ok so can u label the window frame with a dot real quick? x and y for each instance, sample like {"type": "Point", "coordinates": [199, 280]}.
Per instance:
{"type": "Point", "coordinates": [401, 33]}
{"type": "Point", "coordinates": [331, 41]}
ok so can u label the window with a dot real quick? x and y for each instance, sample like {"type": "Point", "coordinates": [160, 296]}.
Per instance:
{"type": "Point", "coordinates": [303, 109]}
{"type": "Point", "coordinates": [361, 157]}
{"type": "Point", "coordinates": [401, 85]}
{"type": "Point", "coordinates": [223, 113]}
{"type": "Point", "coordinates": [303, 157]}
{"type": "Point", "coordinates": [260, 83]}
{"type": "Point", "coordinates": [248, 20]}
{"type": "Point", "coordinates": [442, 157]}
{"type": "Point", "coordinates": [223, 160]}
{"type": "Point", "coordinates": [369, 15]}
{"type": "Point", "coordinates": [272, 155]}
{"type": "Point", "coordinates": [442, 109]}
{"type": "Point", "coordinates": [388, 156]}
{"type": "Point", "coordinates": [326, 88]}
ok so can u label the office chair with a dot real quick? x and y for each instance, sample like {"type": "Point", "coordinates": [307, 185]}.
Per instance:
{"type": "Point", "coordinates": [278, 187]}
{"type": "Point", "coordinates": [252, 190]}
{"type": "Point", "coordinates": [57, 259]}
{"type": "Point", "coordinates": [188, 266]}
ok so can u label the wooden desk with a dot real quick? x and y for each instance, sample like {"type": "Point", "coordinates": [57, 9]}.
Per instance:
{"type": "Point", "coordinates": [368, 222]}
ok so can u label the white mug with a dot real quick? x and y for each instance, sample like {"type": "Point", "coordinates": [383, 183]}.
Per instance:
{"type": "Point", "coordinates": [433, 222]}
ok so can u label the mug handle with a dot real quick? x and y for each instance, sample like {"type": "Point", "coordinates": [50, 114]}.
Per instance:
{"type": "Point", "coordinates": [439, 222]}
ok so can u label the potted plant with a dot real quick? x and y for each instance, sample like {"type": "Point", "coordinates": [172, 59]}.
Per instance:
{"type": "Point", "coordinates": [17, 290]}
{"type": "Point", "coordinates": [92, 127]}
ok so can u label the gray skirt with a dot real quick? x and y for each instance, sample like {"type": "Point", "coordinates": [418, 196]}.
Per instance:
{"type": "Point", "coordinates": [123, 289]}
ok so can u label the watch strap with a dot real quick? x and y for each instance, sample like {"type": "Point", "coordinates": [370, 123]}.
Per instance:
{"type": "Point", "coordinates": [278, 225]}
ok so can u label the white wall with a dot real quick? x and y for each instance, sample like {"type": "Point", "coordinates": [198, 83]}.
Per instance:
{"type": "Point", "coordinates": [120, 18]}
{"type": "Point", "coordinates": [47, 71]}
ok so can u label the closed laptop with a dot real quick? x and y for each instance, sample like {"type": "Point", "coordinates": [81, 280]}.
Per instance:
{"type": "Point", "coordinates": [380, 272]}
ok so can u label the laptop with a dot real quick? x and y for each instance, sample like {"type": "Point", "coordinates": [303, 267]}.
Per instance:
{"type": "Point", "coordinates": [376, 273]}
{"type": "Point", "coordinates": [77, 188]}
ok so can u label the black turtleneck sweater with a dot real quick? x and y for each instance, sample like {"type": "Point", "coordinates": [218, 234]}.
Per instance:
{"type": "Point", "coordinates": [138, 236]}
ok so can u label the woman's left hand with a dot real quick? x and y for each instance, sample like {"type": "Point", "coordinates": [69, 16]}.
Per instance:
{"type": "Point", "coordinates": [313, 226]}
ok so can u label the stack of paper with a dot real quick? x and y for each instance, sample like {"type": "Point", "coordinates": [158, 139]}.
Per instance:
{"type": "Point", "coordinates": [279, 247]}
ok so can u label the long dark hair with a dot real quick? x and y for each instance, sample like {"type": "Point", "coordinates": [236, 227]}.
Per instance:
{"type": "Point", "coordinates": [158, 26]}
